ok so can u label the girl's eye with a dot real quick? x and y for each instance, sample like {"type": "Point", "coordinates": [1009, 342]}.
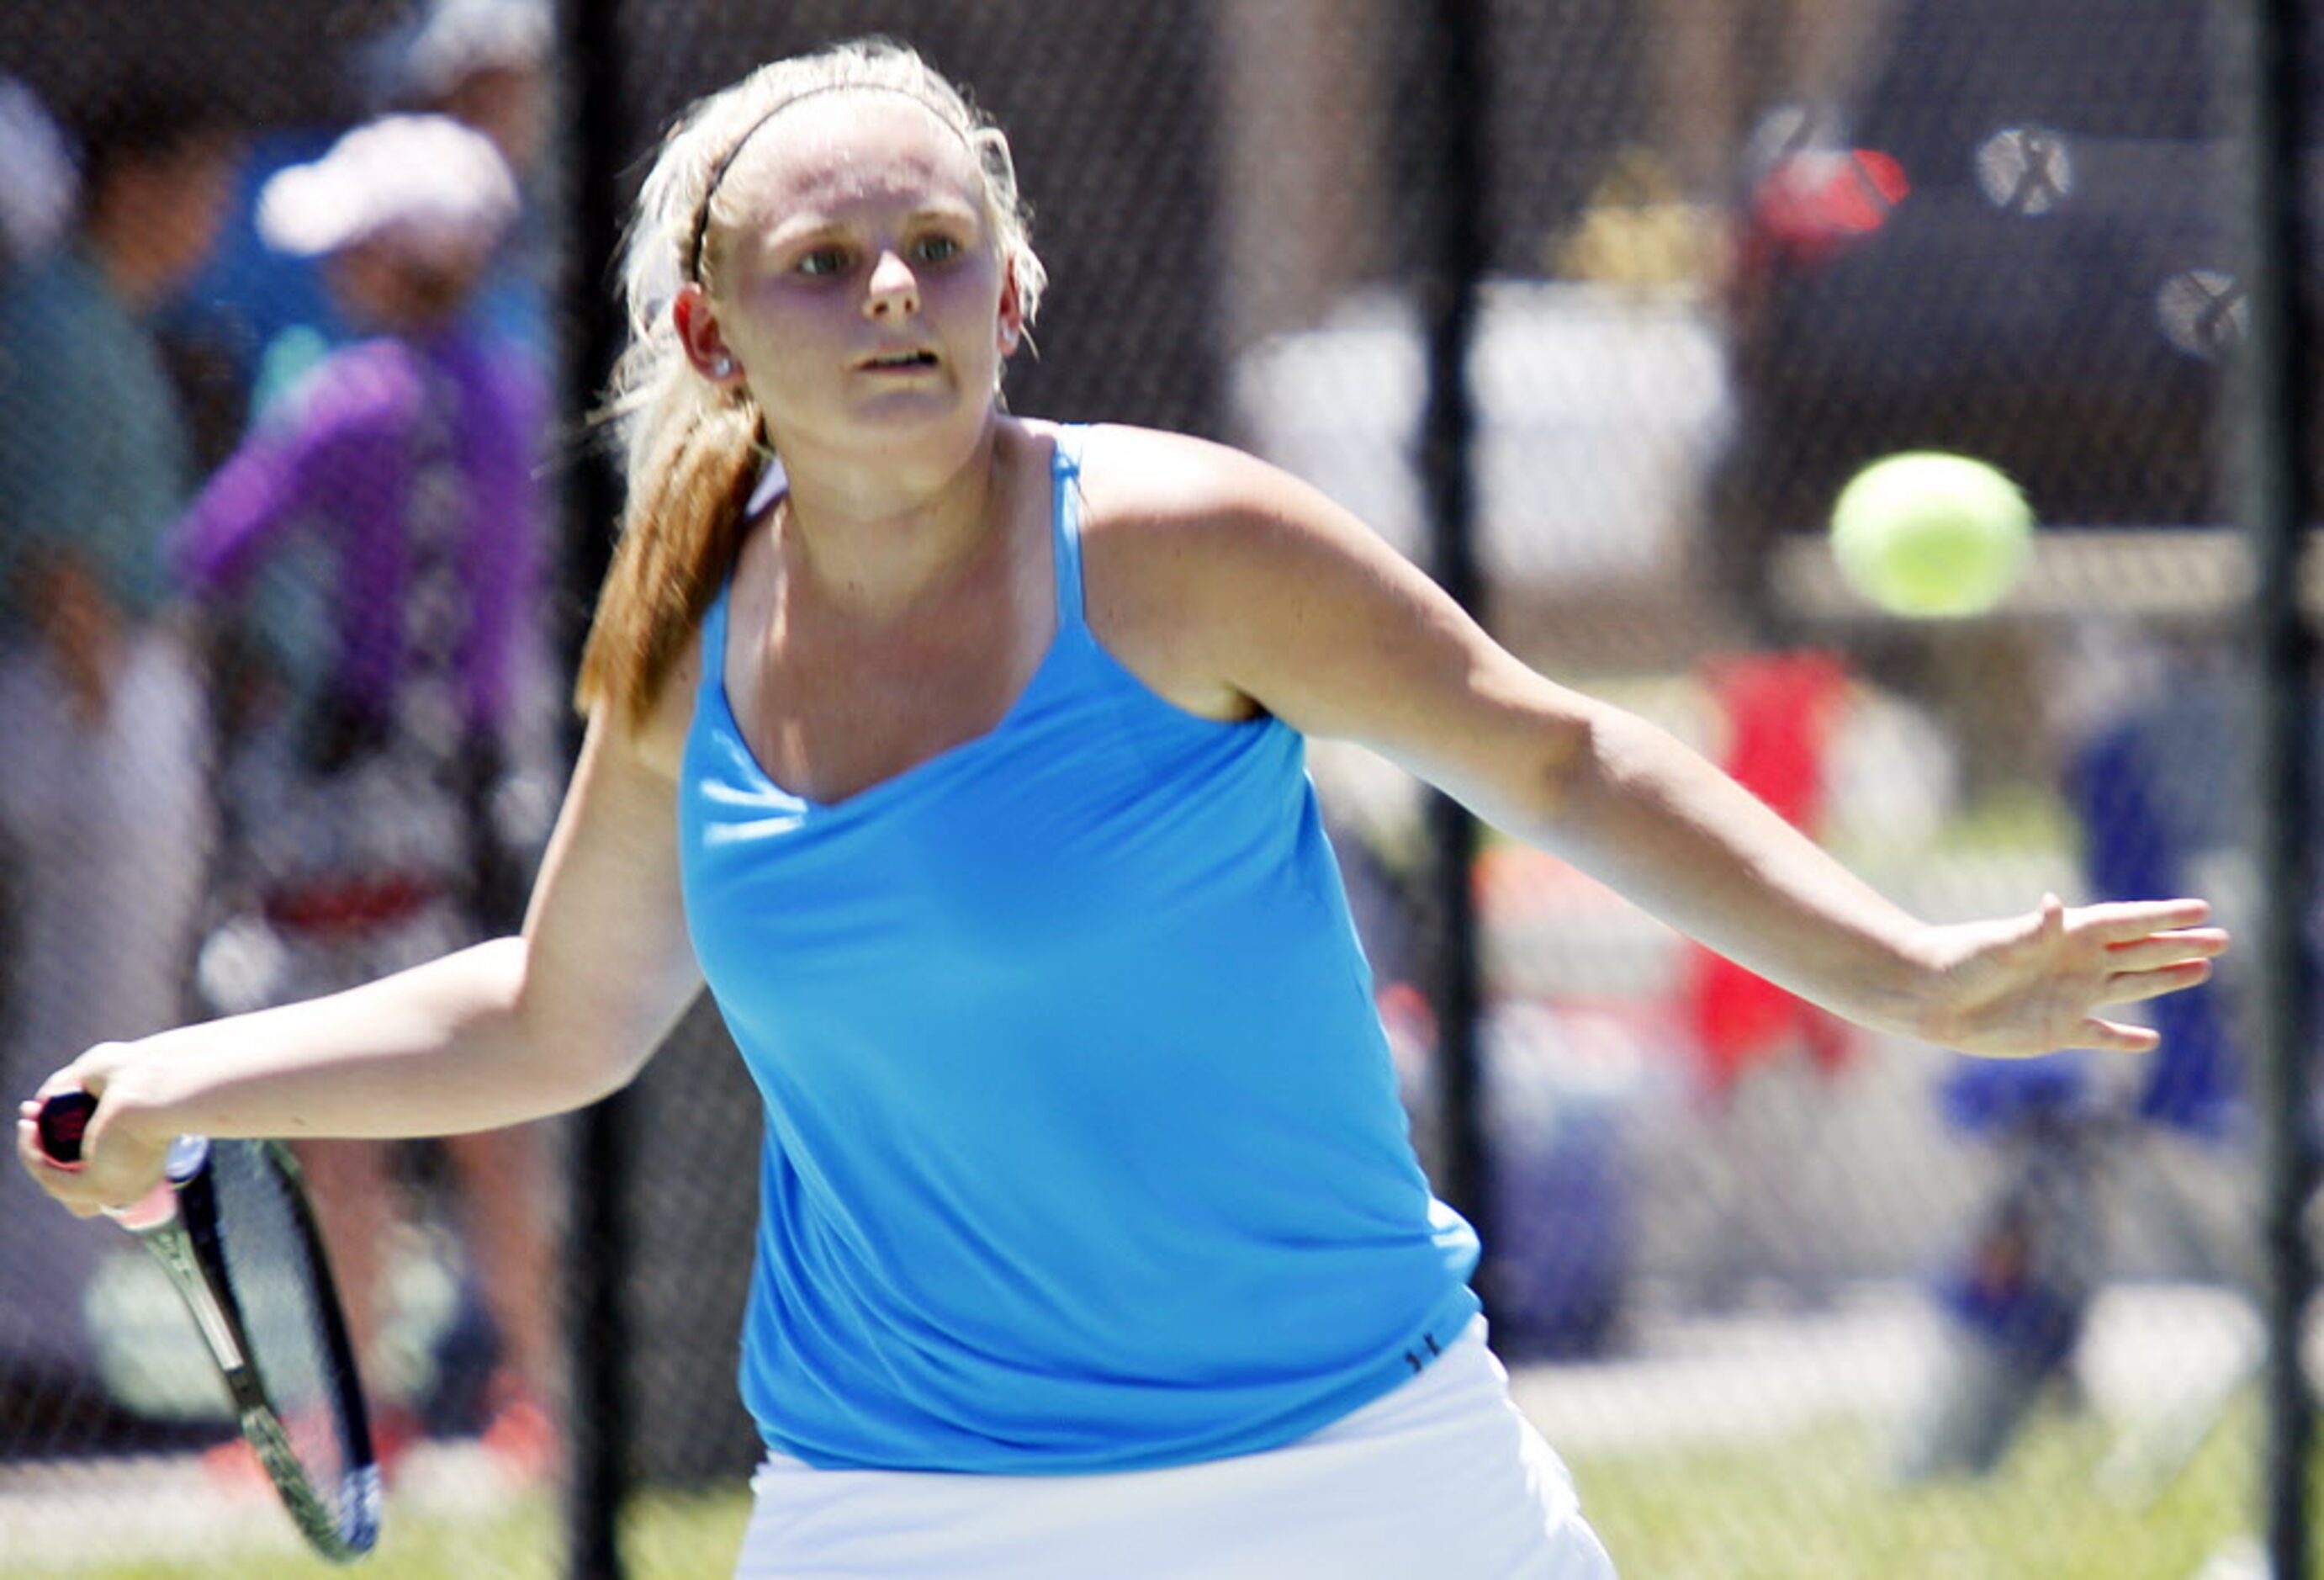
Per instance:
{"type": "Point", "coordinates": [937, 249]}
{"type": "Point", "coordinates": [823, 261]}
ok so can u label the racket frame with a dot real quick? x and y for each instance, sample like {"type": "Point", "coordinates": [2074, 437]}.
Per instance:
{"type": "Point", "coordinates": [179, 1224]}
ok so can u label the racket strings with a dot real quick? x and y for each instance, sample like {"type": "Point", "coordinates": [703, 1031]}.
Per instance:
{"type": "Point", "coordinates": [282, 1289]}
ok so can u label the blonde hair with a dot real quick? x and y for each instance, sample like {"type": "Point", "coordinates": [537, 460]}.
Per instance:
{"type": "Point", "coordinates": [691, 449]}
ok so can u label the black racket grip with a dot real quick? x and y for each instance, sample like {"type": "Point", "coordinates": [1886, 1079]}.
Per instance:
{"type": "Point", "coordinates": [63, 1119]}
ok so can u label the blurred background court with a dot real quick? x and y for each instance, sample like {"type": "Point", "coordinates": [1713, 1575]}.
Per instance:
{"type": "Point", "coordinates": [1793, 1301]}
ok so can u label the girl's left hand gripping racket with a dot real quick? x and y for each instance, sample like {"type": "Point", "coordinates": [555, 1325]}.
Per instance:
{"type": "Point", "coordinates": [231, 1225]}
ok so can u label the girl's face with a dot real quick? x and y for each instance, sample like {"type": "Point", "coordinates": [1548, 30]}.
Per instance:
{"type": "Point", "coordinates": [861, 288]}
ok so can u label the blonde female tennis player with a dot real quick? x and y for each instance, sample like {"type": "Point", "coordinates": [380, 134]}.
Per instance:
{"type": "Point", "coordinates": [961, 755]}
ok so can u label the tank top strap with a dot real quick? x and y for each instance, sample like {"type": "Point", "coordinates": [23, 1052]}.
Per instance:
{"type": "Point", "coordinates": [1066, 523]}
{"type": "Point", "coordinates": [763, 493]}
{"type": "Point", "coordinates": [712, 683]}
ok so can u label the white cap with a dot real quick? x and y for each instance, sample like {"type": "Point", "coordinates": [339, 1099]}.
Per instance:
{"type": "Point", "coordinates": [429, 181]}
{"type": "Point", "coordinates": [36, 198]}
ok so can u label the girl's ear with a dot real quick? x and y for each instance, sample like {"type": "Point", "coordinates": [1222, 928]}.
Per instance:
{"type": "Point", "coordinates": [696, 323]}
{"type": "Point", "coordinates": [1013, 315]}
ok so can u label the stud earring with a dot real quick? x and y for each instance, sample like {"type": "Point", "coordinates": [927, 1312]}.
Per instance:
{"type": "Point", "coordinates": [722, 366]}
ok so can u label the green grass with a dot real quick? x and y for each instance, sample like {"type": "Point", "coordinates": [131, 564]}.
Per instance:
{"type": "Point", "coordinates": [522, 1542]}
{"type": "Point", "coordinates": [1819, 1506]}
{"type": "Point", "coordinates": [1815, 1505]}
{"type": "Point", "coordinates": [672, 1535]}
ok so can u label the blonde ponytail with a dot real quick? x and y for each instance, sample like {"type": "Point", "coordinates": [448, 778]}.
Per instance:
{"type": "Point", "coordinates": [680, 531]}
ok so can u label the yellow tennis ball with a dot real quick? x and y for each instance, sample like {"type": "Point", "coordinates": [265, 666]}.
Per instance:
{"type": "Point", "coordinates": [1931, 535]}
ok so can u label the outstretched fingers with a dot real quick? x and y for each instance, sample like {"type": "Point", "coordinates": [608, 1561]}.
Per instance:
{"type": "Point", "coordinates": [2130, 987]}
{"type": "Point", "coordinates": [2130, 921]}
{"type": "Point", "coordinates": [2160, 951]}
{"type": "Point", "coordinates": [2036, 983]}
{"type": "Point", "coordinates": [2115, 1037]}
{"type": "Point", "coordinates": [2146, 963]}
{"type": "Point", "coordinates": [2152, 947]}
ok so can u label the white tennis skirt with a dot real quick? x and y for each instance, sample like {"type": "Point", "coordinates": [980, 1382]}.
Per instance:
{"type": "Point", "coordinates": [1440, 1480]}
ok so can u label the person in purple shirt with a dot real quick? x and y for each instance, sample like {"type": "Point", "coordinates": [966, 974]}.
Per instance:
{"type": "Point", "coordinates": [382, 529]}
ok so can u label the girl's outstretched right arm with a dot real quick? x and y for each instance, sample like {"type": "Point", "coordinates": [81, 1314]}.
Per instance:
{"type": "Point", "coordinates": [505, 1031]}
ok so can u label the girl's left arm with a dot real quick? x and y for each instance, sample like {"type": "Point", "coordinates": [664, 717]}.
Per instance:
{"type": "Point", "coordinates": [1291, 603]}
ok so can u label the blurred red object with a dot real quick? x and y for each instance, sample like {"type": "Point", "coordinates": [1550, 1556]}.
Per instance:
{"type": "Point", "coordinates": [1816, 199]}
{"type": "Point", "coordinates": [1777, 709]}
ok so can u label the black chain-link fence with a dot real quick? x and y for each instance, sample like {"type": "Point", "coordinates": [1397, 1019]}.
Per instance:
{"type": "Point", "coordinates": [1792, 1298]}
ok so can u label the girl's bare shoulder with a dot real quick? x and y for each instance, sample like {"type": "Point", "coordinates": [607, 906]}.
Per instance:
{"type": "Point", "coordinates": [1190, 518]}
{"type": "Point", "coordinates": [1146, 481]}
{"type": "Point", "coordinates": [1197, 554]}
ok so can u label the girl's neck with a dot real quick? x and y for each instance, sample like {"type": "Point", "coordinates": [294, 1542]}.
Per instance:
{"type": "Point", "coordinates": [873, 539]}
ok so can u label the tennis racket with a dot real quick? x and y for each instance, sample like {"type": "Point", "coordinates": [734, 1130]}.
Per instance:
{"type": "Point", "coordinates": [231, 1225]}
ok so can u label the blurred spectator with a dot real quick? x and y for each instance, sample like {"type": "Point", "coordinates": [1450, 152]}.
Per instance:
{"type": "Point", "coordinates": [388, 503]}
{"type": "Point", "coordinates": [482, 62]}
{"type": "Point", "coordinates": [2160, 785]}
{"type": "Point", "coordinates": [1768, 1056]}
{"type": "Point", "coordinates": [102, 792]}
{"type": "Point", "coordinates": [486, 64]}
{"type": "Point", "coordinates": [2015, 1297]}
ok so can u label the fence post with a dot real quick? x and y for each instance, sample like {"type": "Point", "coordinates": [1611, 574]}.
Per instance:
{"type": "Point", "coordinates": [1453, 260]}
{"type": "Point", "coordinates": [2272, 428]}
{"type": "Point", "coordinates": [596, 1343]}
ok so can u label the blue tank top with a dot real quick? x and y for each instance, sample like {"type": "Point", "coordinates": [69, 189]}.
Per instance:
{"type": "Point", "coordinates": [1083, 1149]}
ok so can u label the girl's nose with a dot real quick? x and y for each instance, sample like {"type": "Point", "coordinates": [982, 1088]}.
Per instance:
{"type": "Point", "coordinates": [894, 288]}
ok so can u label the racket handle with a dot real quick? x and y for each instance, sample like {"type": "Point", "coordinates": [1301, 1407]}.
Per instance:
{"type": "Point", "coordinates": [63, 1119]}
{"type": "Point", "coordinates": [61, 1123]}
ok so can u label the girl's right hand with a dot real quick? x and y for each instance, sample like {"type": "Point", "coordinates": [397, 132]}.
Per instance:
{"type": "Point", "coordinates": [119, 1165]}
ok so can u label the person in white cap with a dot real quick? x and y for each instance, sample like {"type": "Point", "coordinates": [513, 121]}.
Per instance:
{"type": "Point", "coordinates": [395, 487]}
{"type": "Point", "coordinates": [487, 64]}
{"type": "Point", "coordinates": [423, 186]}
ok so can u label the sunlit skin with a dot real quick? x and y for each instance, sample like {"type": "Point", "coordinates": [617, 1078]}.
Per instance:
{"type": "Point", "coordinates": [860, 296]}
